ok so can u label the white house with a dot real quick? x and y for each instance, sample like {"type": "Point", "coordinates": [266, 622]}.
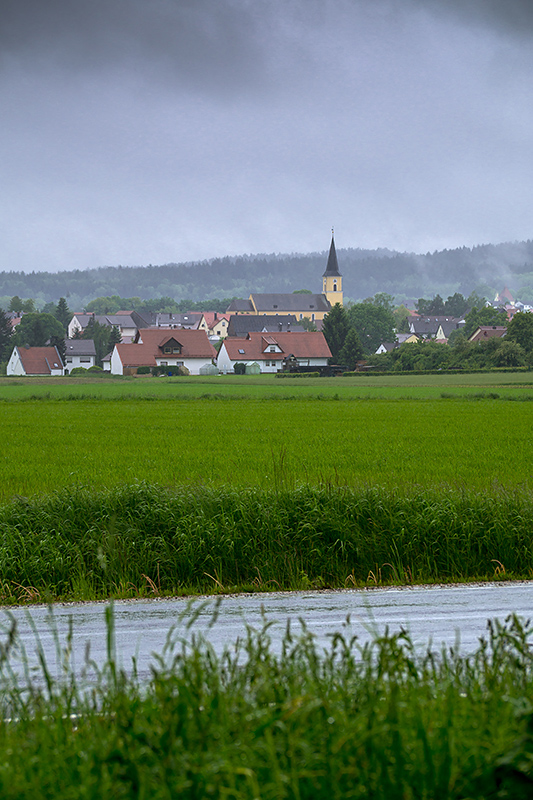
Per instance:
{"type": "Point", "coordinates": [123, 321]}
{"type": "Point", "coordinates": [35, 361]}
{"type": "Point", "coordinates": [270, 349]}
{"type": "Point", "coordinates": [154, 347]}
{"type": "Point", "coordinates": [79, 353]}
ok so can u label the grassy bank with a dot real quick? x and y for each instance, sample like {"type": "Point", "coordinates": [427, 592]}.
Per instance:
{"type": "Point", "coordinates": [380, 721]}
{"type": "Point", "coordinates": [143, 540]}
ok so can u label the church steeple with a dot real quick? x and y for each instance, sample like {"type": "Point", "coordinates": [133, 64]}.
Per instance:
{"type": "Point", "coordinates": [331, 278]}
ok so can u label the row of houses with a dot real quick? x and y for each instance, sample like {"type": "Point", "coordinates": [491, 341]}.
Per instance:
{"type": "Point", "coordinates": [156, 348]}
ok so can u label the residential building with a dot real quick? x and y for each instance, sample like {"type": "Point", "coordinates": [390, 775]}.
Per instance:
{"type": "Point", "coordinates": [270, 350]}
{"type": "Point", "coordinates": [154, 347]}
{"type": "Point", "coordinates": [79, 353]}
{"type": "Point", "coordinates": [35, 361]}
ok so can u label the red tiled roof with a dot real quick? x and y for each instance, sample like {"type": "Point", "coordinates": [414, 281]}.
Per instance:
{"type": "Point", "coordinates": [40, 360]}
{"type": "Point", "coordinates": [300, 345]}
{"type": "Point", "coordinates": [194, 344]}
{"type": "Point", "coordinates": [488, 332]}
{"type": "Point", "coordinates": [209, 317]}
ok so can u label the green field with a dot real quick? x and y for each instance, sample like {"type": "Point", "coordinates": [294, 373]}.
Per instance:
{"type": "Point", "coordinates": [266, 433]}
{"type": "Point", "coordinates": [103, 472]}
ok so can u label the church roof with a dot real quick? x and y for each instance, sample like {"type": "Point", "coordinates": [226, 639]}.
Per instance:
{"type": "Point", "coordinates": [290, 303]}
{"type": "Point", "coordinates": [332, 267]}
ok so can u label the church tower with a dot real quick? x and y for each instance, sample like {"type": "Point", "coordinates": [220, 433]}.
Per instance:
{"type": "Point", "coordinates": [332, 279]}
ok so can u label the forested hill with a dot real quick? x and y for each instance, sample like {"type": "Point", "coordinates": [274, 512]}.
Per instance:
{"type": "Point", "coordinates": [406, 276]}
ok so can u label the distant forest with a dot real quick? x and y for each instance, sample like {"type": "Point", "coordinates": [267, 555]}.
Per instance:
{"type": "Point", "coordinates": [486, 269]}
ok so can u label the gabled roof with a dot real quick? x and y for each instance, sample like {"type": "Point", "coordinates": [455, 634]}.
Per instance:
{"type": "Point", "coordinates": [290, 303]}
{"type": "Point", "coordinates": [40, 360]}
{"type": "Point", "coordinates": [488, 332]}
{"type": "Point", "coordinates": [241, 324]}
{"type": "Point", "coordinates": [80, 347]}
{"type": "Point", "coordinates": [240, 306]}
{"type": "Point", "coordinates": [300, 345]}
{"type": "Point", "coordinates": [332, 267]}
{"type": "Point", "coordinates": [212, 318]}
{"type": "Point", "coordinates": [150, 341]}
{"type": "Point", "coordinates": [121, 320]}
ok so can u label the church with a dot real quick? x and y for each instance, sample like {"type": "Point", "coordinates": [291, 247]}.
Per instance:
{"type": "Point", "coordinates": [312, 306]}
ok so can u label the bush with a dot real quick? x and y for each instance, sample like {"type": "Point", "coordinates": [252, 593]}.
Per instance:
{"type": "Point", "coordinates": [239, 368]}
{"type": "Point", "coordinates": [78, 372]}
{"type": "Point", "coordinates": [143, 370]}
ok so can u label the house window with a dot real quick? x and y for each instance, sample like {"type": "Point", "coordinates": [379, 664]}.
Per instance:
{"type": "Point", "coordinates": [167, 349]}
{"type": "Point", "coordinates": [272, 350]}
{"type": "Point", "coordinates": [176, 349]}
{"type": "Point", "coordinates": [83, 359]}
{"type": "Point", "coordinates": [69, 360]}
{"type": "Point", "coordinates": [241, 352]}
{"type": "Point", "coordinates": [164, 364]}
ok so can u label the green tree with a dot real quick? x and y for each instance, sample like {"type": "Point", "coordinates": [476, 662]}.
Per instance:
{"type": "Point", "coordinates": [114, 338]}
{"type": "Point", "coordinates": [401, 319]}
{"type": "Point", "coordinates": [382, 300]}
{"type": "Point", "coordinates": [36, 330]}
{"type": "Point", "coordinates": [374, 324]}
{"type": "Point", "coordinates": [63, 313]}
{"type": "Point", "coordinates": [335, 327]}
{"type": "Point", "coordinates": [481, 317]}
{"type": "Point", "coordinates": [307, 324]}
{"type": "Point", "coordinates": [352, 351]}
{"type": "Point", "coordinates": [100, 334]}
{"type": "Point", "coordinates": [456, 305]}
{"type": "Point", "coordinates": [6, 333]}
{"type": "Point", "coordinates": [59, 342]}
{"type": "Point", "coordinates": [508, 354]}
{"type": "Point", "coordinates": [520, 330]}
{"type": "Point", "coordinates": [17, 305]}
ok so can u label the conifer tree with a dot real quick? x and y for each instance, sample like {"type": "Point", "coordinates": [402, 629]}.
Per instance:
{"type": "Point", "coordinates": [335, 327]}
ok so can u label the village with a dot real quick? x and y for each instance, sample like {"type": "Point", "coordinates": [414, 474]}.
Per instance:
{"type": "Point", "coordinates": [267, 333]}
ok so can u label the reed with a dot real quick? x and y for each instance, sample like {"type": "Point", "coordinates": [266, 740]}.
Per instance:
{"type": "Point", "coordinates": [143, 540]}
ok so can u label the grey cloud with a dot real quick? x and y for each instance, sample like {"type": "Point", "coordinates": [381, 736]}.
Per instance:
{"type": "Point", "coordinates": [502, 16]}
{"type": "Point", "coordinates": [197, 42]}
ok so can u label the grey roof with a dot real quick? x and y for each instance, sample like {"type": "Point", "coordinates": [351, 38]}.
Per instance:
{"type": "Point", "coordinates": [191, 320]}
{"type": "Point", "coordinates": [295, 303]}
{"type": "Point", "coordinates": [332, 267]}
{"type": "Point", "coordinates": [240, 305]}
{"type": "Point", "coordinates": [110, 320]}
{"type": "Point", "coordinates": [241, 324]}
{"type": "Point", "coordinates": [80, 347]}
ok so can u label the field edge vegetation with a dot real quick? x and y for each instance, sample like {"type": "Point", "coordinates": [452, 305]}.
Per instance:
{"type": "Point", "coordinates": [144, 540]}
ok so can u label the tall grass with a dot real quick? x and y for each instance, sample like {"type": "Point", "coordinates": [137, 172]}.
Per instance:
{"type": "Point", "coordinates": [145, 540]}
{"type": "Point", "coordinates": [379, 720]}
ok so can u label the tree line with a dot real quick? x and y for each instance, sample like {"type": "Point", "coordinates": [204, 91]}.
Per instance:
{"type": "Point", "coordinates": [484, 269]}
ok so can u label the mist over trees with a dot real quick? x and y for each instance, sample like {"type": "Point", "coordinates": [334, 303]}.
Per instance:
{"type": "Point", "coordinates": [485, 269]}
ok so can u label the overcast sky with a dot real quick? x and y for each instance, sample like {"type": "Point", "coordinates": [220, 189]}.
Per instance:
{"type": "Point", "coordinates": [153, 131]}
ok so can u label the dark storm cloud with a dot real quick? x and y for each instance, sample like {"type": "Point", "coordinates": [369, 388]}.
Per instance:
{"type": "Point", "coordinates": [511, 16]}
{"type": "Point", "coordinates": [197, 42]}
{"type": "Point", "coordinates": [139, 131]}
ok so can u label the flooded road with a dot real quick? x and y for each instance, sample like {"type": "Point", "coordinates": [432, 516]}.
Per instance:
{"type": "Point", "coordinates": [440, 615]}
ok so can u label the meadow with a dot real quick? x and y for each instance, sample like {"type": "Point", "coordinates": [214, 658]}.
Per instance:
{"type": "Point", "coordinates": [153, 487]}
{"type": "Point", "coordinates": [273, 484]}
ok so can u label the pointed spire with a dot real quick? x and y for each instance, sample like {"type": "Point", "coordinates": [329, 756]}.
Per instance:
{"type": "Point", "coordinates": [332, 267]}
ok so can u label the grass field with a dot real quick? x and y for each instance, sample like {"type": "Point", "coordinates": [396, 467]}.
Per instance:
{"type": "Point", "coordinates": [466, 458]}
{"type": "Point", "coordinates": [240, 441]}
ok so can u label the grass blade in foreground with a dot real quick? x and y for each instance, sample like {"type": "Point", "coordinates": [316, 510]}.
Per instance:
{"type": "Point", "coordinates": [380, 720]}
